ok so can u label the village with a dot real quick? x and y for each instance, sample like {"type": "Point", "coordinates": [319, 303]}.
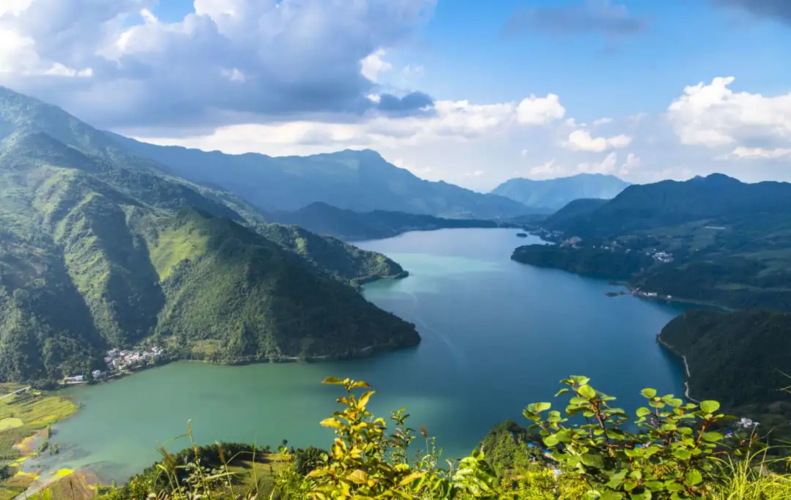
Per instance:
{"type": "Point", "coordinates": [118, 362]}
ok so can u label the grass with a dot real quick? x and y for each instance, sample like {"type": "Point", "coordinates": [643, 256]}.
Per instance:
{"type": "Point", "coordinates": [175, 246]}
{"type": "Point", "coordinates": [23, 415]}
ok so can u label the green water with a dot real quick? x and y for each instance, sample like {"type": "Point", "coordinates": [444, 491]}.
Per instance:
{"type": "Point", "coordinates": [496, 336]}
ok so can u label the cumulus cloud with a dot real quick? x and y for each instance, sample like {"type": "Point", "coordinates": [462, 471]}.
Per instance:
{"type": "Point", "coordinates": [773, 9]}
{"type": "Point", "coordinates": [581, 140]}
{"type": "Point", "coordinates": [228, 61]}
{"type": "Point", "coordinates": [373, 64]}
{"type": "Point", "coordinates": [742, 153]}
{"type": "Point", "coordinates": [588, 16]}
{"type": "Point", "coordinates": [540, 110]}
{"type": "Point", "coordinates": [445, 120]}
{"type": "Point", "coordinates": [606, 166]}
{"type": "Point", "coordinates": [712, 115]}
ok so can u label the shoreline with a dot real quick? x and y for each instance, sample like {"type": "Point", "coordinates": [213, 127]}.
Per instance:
{"type": "Point", "coordinates": [687, 372]}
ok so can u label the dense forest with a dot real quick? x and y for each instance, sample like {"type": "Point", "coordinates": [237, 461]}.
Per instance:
{"type": "Point", "coordinates": [350, 226]}
{"type": "Point", "coordinates": [100, 249]}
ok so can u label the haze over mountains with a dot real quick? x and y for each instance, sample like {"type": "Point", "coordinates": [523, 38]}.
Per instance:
{"type": "Point", "coordinates": [355, 180]}
{"type": "Point", "coordinates": [553, 194]}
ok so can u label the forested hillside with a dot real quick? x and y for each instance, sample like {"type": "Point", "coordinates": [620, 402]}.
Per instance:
{"type": "Point", "coordinates": [350, 226]}
{"type": "Point", "coordinates": [99, 248]}
{"type": "Point", "coordinates": [354, 180]}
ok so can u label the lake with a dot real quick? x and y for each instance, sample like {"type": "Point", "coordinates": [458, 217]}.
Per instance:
{"type": "Point", "coordinates": [497, 335]}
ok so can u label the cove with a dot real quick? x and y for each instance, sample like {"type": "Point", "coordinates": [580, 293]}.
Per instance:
{"type": "Point", "coordinates": [497, 335]}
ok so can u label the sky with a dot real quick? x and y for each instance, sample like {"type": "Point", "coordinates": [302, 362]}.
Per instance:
{"type": "Point", "coordinates": [473, 92]}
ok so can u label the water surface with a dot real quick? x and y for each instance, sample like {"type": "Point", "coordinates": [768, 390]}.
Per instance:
{"type": "Point", "coordinates": [497, 335]}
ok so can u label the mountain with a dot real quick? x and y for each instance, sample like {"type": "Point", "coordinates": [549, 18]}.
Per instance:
{"type": "Point", "coordinates": [350, 226]}
{"type": "Point", "coordinates": [553, 194]}
{"type": "Point", "coordinates": [738, 358]}
{"type": "Point", "coordinates": [710, 240]}
{"type": "Point", "coordinates": [354, 180]}
{"type": "Point", "coordinates": [100, 248]}
{"type": "Point", "coordinates": [574, 209]}
{"type": "Point", "coordinates": [668, 203]}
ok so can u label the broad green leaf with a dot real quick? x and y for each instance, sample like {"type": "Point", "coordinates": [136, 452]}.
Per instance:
{"type": "Point", "coordinates": [642, 412]}
{"type": "Point", "coordinates": [611, 495]}
{"type": "Point", "coordinates": [693, 477]}
{"type": "Point", "coordinates": [593, 460]}
{"type": "Point", "coordinates": [580, 379]}
{"type": "Point", "coordinates": [682, 454]}
{"type": "Point", "coordinates": [562, 391]}
{"type": "Point", "coordinates": [539, 407]}
{"type": "Point", "coordinates": [550, 440]}
{"type": "Point", "coordinates": [587, 392]}
{"type": "Point", "coordinates": [712, 437]}
{"type": "Point", "coordinates": [332, 381]}
{"type": "Point", "coordinates": [649, 393]}
{"type": "Point", "coordinates": [709, 406]}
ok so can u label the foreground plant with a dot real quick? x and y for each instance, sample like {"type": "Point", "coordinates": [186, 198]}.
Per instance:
{"type": "Point", "coordinates": [365, 462]}
{"type": "Point", "coordinates": [671, 457]}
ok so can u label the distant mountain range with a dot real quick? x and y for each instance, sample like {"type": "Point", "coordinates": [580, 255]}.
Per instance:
{"type": "Point", "coordinates": [553, 194]}
{"type": "Point", "coordinates": [102, 248]}
{"type": "Point", "coordinates": [354, 180]}
{"type": "Point", "coordinates": [716, 197]}
{"type": "Point", "coordinates": [348, 225]}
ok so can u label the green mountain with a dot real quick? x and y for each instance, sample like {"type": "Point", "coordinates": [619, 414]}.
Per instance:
{"type": "Point", "coordinates": [740, 358]}
{"type": "Point", "coordinates": [670, 203]}
{"type": "Point", "coordinates": [350, 226]}
{"type": "Point", "coordinates": [710, 240]}
{"type": "Point", "coordinates": [354, 180]}
{"type": "Point", "coordinates": [100, 248]}
{"type": "Point", "coordinates": [574, 209]}
{"type": "Point", "coordinates": [553, 194]}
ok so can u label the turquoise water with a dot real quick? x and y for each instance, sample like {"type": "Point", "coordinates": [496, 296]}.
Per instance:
{"type": "Point", "coordinates": [497, 335]}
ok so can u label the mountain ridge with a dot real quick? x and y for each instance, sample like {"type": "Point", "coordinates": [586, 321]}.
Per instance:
{"type": "Point", "coordinates": [553, 194]}
{"type": "Point", "coordinates": [358, 180]}
{"type": "Point", "coordinates": [101, 249]}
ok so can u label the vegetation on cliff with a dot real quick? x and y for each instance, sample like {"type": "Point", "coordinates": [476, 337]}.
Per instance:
{"type": "Point", "coordinates": [102, 249]}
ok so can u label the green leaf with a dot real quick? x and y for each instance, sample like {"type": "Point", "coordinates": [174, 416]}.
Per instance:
{"type": "Point", "coordinates": [539, 407]}
{"type": "Point", "coordinates": [648, 393]}
{"type": "Point", "coordinates": [551, 440]}
{"type": "Point", "coordinates": [332, 381]}
{"type": "Point", "coordinates": [709, 406]}
{"type": "Point", "coordinates": [611, 495]}
{"type": "Point", "coordinates": [642, 412]}
{"type": "Point", "coordinates": [693, 477]}
{"type": "Point", "coordinates": [562, 391]}
{"type": "Point", "coordinates": [593, 460]}
{"type": "Point", "coordinates": [682, 454]}
{"type": "Point", "coordinates": [587, 392]}
{"type": "Point", "coordinates": [580, 380]}
{"type": "Point", "coordinates": [712, 437]}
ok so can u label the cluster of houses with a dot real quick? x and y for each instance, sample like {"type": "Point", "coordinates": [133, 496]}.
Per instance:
{"type": "Point", "coordinates": [663, 257]}
{"type": "Point", "coordinates": [118, 360]}
{"type": "Point", "coordinates": [127, 360]}
{"type": "Point", "coordinates": [649, 295]}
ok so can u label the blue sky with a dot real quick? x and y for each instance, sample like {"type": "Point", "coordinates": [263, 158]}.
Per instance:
{"type": "Point", "coordinates": [468, 91]}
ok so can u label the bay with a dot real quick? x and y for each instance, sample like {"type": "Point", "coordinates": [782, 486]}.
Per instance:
{"type": "Point", "coordinates": [497, 335]}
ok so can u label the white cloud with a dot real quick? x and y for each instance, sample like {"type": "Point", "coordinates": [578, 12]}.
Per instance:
{"type": "Point", "coordinates": [476, 173]}
{"type": "Point", "coordinates": [373, 64]}
{"type": "Point", "coordinates": [632, 162]}
{"type": "Point", "coordinates": [602, 121]}
{"type": "Point", "coordinates": [227, 61]}
{"type": "Point", "coordinates": [540, 110]}
{"type": "Point", "coordinates": [606, 166]}
{"type": "Point", "coordinates": [713, 115]}
{"type": "Point", "coordinates": [581, 140]}
{"type": "Point", "coordinates": [742, 153]}
{"type": "Point", "coordinates": [524, 152]}
{"type": "Point", "coordinates": [547, 170]}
